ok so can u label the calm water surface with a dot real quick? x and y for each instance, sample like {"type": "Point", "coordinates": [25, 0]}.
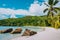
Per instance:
{"type": "Point", "coordinates": [8, 36]}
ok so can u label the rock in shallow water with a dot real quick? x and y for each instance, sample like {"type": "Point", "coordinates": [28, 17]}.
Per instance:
{"type": "Point", "coordinates": [18, 30]}
{"type": "Point", "coordinates": [33, 33]}
{"type": "Point", "coordinates": [28, 32]}
{"type": "Point", "coordinates": [6, 31]}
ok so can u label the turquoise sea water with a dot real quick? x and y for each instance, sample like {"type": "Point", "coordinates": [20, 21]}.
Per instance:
{"type": "Point", "coordinates": [8, 36]}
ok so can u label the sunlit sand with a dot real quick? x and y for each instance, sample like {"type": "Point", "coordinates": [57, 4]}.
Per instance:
{"type": "Point", "coordinates": [48, 34]}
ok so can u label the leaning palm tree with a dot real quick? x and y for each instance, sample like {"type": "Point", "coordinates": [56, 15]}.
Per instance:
{"type": "Point", "coordinates": [52, 9]}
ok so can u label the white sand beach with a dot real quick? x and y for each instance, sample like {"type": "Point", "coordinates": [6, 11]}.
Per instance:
{"type": "Point", "coordinates": [48, 34]}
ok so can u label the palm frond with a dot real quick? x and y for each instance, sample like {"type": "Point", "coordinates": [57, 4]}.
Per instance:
{"type": "Point", "coordinates": [48, 13]}
{"type": "Point", "coordinates": [50, 2]}
{"type": "Point", "coordinates": [46, 4]}
{"type": "Point", "coordinates": [56, 8]}
{"type": "Point", "coordinates": [56, 1]}
{"type": "Point", "coordinates": [45, 10]}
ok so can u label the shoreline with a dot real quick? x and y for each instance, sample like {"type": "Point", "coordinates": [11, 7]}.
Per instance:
{"type": "Point", "coordinates": [48, 34]}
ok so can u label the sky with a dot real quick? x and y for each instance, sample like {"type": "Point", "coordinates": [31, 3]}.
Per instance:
{"type": "Point", "coordinates": [20, 8]}
{"type": "Point", "coordinates": [17, 4]}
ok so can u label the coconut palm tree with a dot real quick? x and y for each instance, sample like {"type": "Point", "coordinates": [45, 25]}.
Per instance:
{"type": "Point", "coordinates": [51, 8]}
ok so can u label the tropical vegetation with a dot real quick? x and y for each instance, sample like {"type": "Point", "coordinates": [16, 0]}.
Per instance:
{"type": "Point", "coordinates": [52, 12]}
{"type": "Point", "coordinates": [25, 21]}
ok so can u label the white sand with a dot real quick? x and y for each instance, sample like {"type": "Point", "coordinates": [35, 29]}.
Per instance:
{"type": "Point", "coordinates": [48, 34]}
{"type": "Point", "coordinates": [21, 38]}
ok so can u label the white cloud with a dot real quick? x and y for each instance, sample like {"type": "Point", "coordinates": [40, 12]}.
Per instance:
{"type": "Point", "coordinates": [13, 16]}
{"type": "Point", "coordinates": [37, 9]}
{"type": "Point", "coordinates": [22, 12]}
{"type": "Point", "coordinates": [3, 17]}
{"type": "Point", "coordinates": [6, 11]}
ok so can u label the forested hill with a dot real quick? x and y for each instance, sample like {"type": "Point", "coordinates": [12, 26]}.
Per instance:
{"type": "Point", "coordinates": [25, 21]}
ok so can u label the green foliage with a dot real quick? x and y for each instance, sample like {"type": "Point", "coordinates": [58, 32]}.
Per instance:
{"type": "Point", "coordinates": [30, 21]}
{"type": "Point", "coordinates": [56, 1]}
{"type": "Point", "coordinates": [52, 10]}
{"type": "Point", "coordinates": [51, 7]}
{"type": "Point", "coordinates": [25, 21]}
{"type": "Point", "coordinates": [50, 2]}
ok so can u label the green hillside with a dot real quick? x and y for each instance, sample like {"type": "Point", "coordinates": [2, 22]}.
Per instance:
{"type": "Point", "coordinates": [25, 21]}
